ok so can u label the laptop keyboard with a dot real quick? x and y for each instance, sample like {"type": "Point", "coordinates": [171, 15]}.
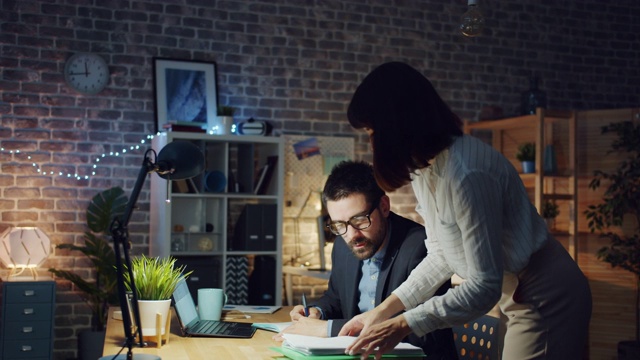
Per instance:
{"type": "Point", "coordinates": [214, 327]}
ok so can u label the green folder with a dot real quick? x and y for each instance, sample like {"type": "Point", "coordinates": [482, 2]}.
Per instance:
{"type": "Point", "coordinates": [294, 355]}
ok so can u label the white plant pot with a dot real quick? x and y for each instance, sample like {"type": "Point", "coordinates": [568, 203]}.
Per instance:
{"type": "Point", "coordinates": [148, 310]}
{"type": "Point", "coordinates": [223, 125]}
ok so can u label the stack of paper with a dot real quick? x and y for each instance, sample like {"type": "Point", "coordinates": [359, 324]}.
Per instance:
{"type": "Point", "coordinates": [311, 345]}
{"type": "Point", "coordinates": [275, 327]}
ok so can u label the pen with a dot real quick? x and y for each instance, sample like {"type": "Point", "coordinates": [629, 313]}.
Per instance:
{"type": "Point", "coordinates": [304, 304]}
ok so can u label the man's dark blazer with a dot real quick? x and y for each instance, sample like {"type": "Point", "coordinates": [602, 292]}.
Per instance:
{"type": "Point", "coordinates": [405, 251]}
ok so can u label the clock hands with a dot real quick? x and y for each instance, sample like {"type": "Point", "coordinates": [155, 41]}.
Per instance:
{"type": "Point", "coordinates": [86, 72]}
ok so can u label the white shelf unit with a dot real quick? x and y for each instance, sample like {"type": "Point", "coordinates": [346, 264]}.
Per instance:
{"type": "Point", "coordinates": [198, 226]}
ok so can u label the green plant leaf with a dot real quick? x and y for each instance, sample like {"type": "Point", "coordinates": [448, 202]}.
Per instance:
{"type": "Point", "coordinates": [104, 207]}
{"type": "Point", "coordinates": [154, 278]}
{"type": "Point", "coordinates": [101, 290]}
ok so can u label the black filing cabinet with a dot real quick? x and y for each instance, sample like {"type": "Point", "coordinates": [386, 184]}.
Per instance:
{"type": "Point", "coordinates": [26, 326]}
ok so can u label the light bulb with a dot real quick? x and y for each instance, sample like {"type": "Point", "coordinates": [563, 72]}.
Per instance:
{"type": "Point", "coordinates": [472, 21]}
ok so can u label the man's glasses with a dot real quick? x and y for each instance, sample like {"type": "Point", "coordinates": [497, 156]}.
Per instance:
{"type": "Point", "coordinates": [359, 222]}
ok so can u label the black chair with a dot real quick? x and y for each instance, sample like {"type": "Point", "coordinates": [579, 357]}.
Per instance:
{"type": "Point", "coordinates": [478, 339]}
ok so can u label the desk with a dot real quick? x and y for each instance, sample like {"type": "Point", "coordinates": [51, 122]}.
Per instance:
{"type": "Point", "coordinates": [197, 348]}
{"type": "Point", "coordinates": [300, 271]}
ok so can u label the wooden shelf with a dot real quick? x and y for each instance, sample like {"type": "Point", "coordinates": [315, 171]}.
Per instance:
{"type": "Point", "coordinates": [545, 127]}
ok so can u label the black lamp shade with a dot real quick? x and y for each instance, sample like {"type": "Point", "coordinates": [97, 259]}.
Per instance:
{"type": "Point", "coordinates": [186, 160]}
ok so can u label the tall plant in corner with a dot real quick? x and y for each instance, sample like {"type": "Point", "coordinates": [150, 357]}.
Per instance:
{"type": "Point", "coordinates": [617, 217]}
{"type": "Point", "coordinates": [102, 291]}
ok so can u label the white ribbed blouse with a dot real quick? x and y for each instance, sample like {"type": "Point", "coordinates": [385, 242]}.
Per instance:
{"type": "Point", "coordinates": [480, 224]}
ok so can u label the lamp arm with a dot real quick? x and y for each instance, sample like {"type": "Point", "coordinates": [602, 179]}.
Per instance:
{"type": "Point", "coordinates": [120, 235]}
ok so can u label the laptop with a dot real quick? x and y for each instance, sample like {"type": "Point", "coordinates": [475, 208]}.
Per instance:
{"type": "Point", "coordinates": [190, 322]}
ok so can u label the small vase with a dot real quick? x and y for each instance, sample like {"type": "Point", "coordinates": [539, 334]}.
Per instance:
{"type": "Point", "coordinates": [533, 98]}
{"type": "Point", "coordinates": [550, 162]}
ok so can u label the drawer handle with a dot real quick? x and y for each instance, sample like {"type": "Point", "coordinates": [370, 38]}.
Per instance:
{"type": "Point", "coordinates": [26, 348]}
{"type": "Point", "coordinates": [28, 311]}
{"type": "Point", "coordinates": [27, 329]}
{"type": "Point", "coordinates": [29, 292]}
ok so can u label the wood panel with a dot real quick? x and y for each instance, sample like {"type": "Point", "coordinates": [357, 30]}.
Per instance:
{"type": "Point", "coordinates": [613, 289]}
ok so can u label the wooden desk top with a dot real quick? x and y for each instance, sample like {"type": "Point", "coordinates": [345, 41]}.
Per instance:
{"type": "Point", "coordinates": [195, 348]}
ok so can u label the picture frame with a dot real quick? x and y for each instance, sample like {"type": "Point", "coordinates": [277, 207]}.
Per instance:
{"type": "Point", "coordinates": [185, 92]}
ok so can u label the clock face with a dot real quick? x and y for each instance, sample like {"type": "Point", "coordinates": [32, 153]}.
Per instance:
{"type": "Point", "coordinates": [86, 73]}
{"type": "Point", "coordinates": [205, 244]}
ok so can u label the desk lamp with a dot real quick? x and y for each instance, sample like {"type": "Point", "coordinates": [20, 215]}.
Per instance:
{"type": "Point", "coordinates": [177, 160]}
{"type": "Point", "coordinates": [24, 248]}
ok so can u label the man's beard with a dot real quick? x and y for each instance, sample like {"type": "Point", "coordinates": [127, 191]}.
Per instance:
{"type": "Point", "coordinates": [363, 253]}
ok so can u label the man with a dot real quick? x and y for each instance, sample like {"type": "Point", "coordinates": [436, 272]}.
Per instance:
{"type": "Point", "coordinates": [374, 252]}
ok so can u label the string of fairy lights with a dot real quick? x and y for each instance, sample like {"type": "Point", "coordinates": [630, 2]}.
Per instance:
{"type": "Point", "coordinates": [94, 166]}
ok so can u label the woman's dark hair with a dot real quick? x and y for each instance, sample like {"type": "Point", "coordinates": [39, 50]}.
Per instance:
{"type": "Point", "coordinates": [411, 124]}
{"type": "Point", "coordinates": [351, 177]}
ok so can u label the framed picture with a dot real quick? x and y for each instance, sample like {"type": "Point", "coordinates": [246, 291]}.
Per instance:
{"type": "Point", "coordinates": [185, 93]}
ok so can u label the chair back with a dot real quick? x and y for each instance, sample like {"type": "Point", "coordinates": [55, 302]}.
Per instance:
{"type": "Point", "coordinates": [478, 339]}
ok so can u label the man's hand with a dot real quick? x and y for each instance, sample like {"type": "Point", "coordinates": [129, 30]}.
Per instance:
{"type": "Point", "coordinates": [305, 326]}
{"type": "Point", "coordinates": [298, 312]}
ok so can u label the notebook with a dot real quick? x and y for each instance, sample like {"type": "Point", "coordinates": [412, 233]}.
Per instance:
{"type": "Point", "coordinates": [190, 322]}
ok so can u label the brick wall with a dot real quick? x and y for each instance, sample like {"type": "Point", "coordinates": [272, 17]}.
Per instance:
{"type": "Point", "coordinates": [294, 63]}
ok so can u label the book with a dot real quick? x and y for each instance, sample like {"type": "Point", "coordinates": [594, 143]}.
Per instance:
{"type": "Point", "coordinates": [183, 127]}
{"type": "Point", "coordinates": [180, 186]}
{"type": "Point", "coordinates": [312, 345]}
{"type": "Point", "coordinates": [275, 327]}
{"type": "Point", "coordinates": [266, 175]}
{"type": "Point", "coordinates": [261, 175]}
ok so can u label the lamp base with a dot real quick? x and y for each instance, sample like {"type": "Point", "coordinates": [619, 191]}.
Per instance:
{"type": "Point", "coordinates": [16, 274]}
{"type": "Point", "coordinates": [135, 357]}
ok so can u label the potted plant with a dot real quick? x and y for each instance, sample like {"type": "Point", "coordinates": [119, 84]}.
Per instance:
{"type": "Point", "coordinates": [617, 216]}
{"type": "Point", "coordinates": [100, 292]}
{"type": "Point", "coordinates": [224, 120]}
{"type": "Point", "coordinates": [155, 280]}
{"type": "Point", "coordinates": [549, 212]}
{"type": "Point", "coordinates": [527, 156]}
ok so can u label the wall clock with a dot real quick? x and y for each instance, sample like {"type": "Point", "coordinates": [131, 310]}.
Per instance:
{"type": "Point", "coordinates": [87, 73]}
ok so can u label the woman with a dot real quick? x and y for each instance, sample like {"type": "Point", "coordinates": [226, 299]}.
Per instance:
{"type": "Point", "coordinates": [480, 225]}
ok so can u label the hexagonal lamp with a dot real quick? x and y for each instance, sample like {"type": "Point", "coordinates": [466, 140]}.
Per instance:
{"type": "Point", "coordinates": [24, 248]}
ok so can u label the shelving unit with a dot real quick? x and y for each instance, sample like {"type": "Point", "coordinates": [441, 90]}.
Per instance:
{"type": "Point", "coordinates": [217, 224]}
{"type": "Point", "coordinates": [545, 128]}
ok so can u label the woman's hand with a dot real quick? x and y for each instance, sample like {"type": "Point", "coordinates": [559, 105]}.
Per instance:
{"type": "Point", "coordinates": [360, 323]}
{"type": "Point", "coordinates": [378, 339]}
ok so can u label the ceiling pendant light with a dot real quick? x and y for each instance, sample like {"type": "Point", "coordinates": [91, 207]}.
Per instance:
{"type": "Point", "coordinates": [472, 21]}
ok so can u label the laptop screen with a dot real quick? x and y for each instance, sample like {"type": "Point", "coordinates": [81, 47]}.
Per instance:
{"type": "Point", "coordinates": [184, 305]}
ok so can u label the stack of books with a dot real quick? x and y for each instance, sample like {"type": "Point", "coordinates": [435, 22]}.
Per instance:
{"type": "Point", "coordinates": [184, 127]}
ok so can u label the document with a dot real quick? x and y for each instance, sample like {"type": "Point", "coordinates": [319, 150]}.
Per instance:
{"type": "Point", "coordinates": [252, 309]}
{"type": "Point", "coordinates": [312, 345]}
{"type": "Point", "coordinates": [275, 327]}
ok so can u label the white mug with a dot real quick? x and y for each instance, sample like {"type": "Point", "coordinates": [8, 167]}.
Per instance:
{"type": "Point", "coordinates": [210, 303]}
